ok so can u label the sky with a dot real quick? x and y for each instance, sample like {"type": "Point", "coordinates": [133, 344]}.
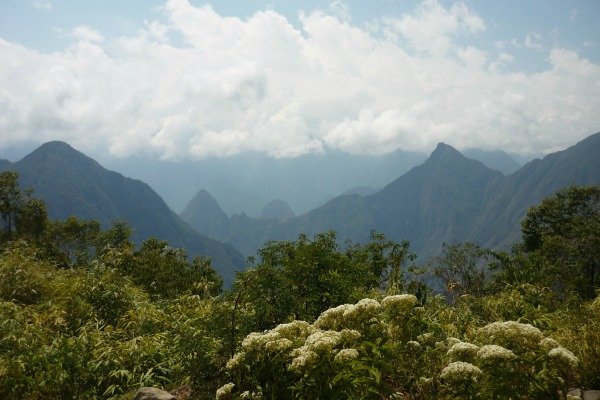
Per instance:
{"type": "Point", "coordinates": [184, 79]}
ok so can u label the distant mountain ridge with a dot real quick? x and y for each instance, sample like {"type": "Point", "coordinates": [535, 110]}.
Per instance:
{"type": "Point", "coordinates": [245, 183]}
{"type": "Point", "coordinates": [73, 184]}
{"type": "Point", "coordinates": [278, 210]}
{"type": "Point", "coordinates": [448, 198]}
{"type": "Point", "coordinates": [494, 159]}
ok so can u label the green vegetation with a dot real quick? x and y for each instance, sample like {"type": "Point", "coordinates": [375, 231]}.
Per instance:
{"type": "Point", "coordinates": [71, 183]}
{"type": "Point", "coordinates": [85, 314]}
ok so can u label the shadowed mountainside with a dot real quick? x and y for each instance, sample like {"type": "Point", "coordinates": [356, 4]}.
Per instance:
{"type": "Point", "coordinates": [449, 198]}
{"type": "Point", "coordinates": [73, 184]}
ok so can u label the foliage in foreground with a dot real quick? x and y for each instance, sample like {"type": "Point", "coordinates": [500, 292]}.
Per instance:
{"type": "Point", "coordinates": [395, 349]}
{"type": "Point", "coordinates": [85, 315]}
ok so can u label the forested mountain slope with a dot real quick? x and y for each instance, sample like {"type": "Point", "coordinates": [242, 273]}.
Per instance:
{"type": "Point", "coordinates": [498, 225]}
{"type": "Point", "coordinates": [449, 198]}
{"type": "Point", "coordinates": [73, 184]}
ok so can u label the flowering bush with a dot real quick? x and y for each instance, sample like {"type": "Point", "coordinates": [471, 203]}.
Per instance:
{"type": "Point", "coordinates": [512, 359]}
{"type": "Point", "coordinates": [350, 351]}
{"type": "Point", "coordinates": [393, 349]}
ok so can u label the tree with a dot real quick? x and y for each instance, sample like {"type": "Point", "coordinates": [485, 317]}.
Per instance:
{"type": "Point", "coordinates": [32, 220]}
{"type": "Point", "coordinates": [563, 234]}
{"type": "Point", "coordinates": [11, 202]}
{"type": "Point", "coordinates": [165, 272]}
{"type": "Point", "coordinates": [21, 215]}
{"type": "Point", "coordinates": [384, 260]}
{"type": "Point", "coordinates": [301, 279]}
{"type": "Point", "coordinates": [117, 236]}
{"type": "Point", "coordinates": [461, 268]}
{"type": "Point", "coordinates": [72, 241]}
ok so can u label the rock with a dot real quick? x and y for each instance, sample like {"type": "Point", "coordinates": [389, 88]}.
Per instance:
{"type": "Point", "coordinates": [149, 393]}
{"type": "Point", "coordinates": [574, 392]}
{"type": "Point", "coordinates": [591, 395]}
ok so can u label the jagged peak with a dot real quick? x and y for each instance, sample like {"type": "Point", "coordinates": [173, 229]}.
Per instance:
{"type": "Point", "coordinates": [203, 193]}
{"type": "Point", "coordinates": [203, 201]}
{"type": "Point", "coordinates": [205, 198]}
{"type": "Point", "coordinates": [445, 151]}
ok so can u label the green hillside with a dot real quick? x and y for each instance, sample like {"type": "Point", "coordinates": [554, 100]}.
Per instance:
{"type": "Point", "coordinates": [73, 184]}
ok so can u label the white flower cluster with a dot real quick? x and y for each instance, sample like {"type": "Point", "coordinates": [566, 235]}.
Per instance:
{"type": "Point", "coordinates": [237, 360]}
{"type": "Point", "coordinates": [332, 318]}
{"type": "Point", "coordinates": [294, 329]}
{"type": "Point", "coordinates": [251, 395]}
{"type": "Point", "coordinates": [278, 340]}
{"type": "Point", "coordinates": [463, 350]}
{"type": "Point", "coordinates": [224, 392]}
{"type": "Point", "coordinates": [363, 311]}
{"type": "Point", "coordinates": [316, 344]}
{"type": "Point", "coordinates": [350, 335]}
{"type": "Point", "coordinates": [349, 315]}
{"type": "Point", "coordinates": [426, 337]}
{"type": "Point", "coordinates": [279, 345]}
{"type": "Point", "coordinates": [321, 341]}
{"type": "Point", "coordinates": [413, 345]}
{"type": "Point", "coordinates": [548, 344]}
{"type": "Point", "coordinates": [257, 341]}
{"type": "Point", "coordinates": [399, 303]}
{"type": "Point", "coordinates": [316, 341]}
{"type": "Point", "coordinates": [460, 371]}
{"type": "Point", "coordinates": [564, 356]}
{"type": "Point", "coordinates": [346, 355]}
{"type": "Point", "coordinates": [304, 358]}
{"type": "Point", "coordinates": [512, 335]}
{"type": "Point", "coordinates": [493, 352]}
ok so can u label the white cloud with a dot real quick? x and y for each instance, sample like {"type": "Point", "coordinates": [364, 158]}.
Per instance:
{"type": "Point", "coordinates": [503, 59]}
{"type": "Point", "coordinates": [42, 5]}
{"type": "Point", "coordinates": [432, 27]}
{"type": "Point", "coordinates": [533, 41]}
{"type": "Point", "coordinates": [260, 84]}
{"type": "Point", "coordinates": [340, 9]}
{"type": "Point", "coordinates": [87, 34]}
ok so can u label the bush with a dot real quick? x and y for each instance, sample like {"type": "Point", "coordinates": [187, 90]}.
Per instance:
{"type": "Point", "coordinates": [395, 348]}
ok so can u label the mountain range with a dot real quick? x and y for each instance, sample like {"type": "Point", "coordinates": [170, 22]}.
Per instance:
{"type": "Point", "coordinates": [71, 183]}
{"type": "Point", "coordinates": [448, 198]}
{"type": "Point", "coordinates": [247, 182]}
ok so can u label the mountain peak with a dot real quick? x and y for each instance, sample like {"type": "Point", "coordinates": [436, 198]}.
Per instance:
{"type": "Point", "coordinates": [204, 198]}
{"type": "Point", "coordinates": [203, 210]}
{"type": "Point", "coordinates": [443, 148]}
{"type": "Point", "coordinates": [60, 155]}
{"type": "Point", "coordinates": [278, 210]}
{"type": "Point", "coordinates": [445, 152]}
{"type": "Point", "coordinates": [56, 146]}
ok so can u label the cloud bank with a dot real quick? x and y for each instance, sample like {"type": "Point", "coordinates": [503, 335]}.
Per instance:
{"type": "Point", "coordinates": [200, 84]}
